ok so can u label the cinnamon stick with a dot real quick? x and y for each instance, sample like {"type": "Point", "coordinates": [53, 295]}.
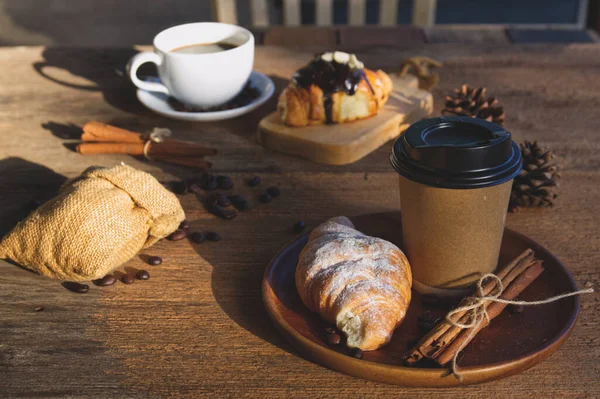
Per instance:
{"type": "Point", "coordinates": [507, 275]}
{"type": "Point", "coordinates": [444, 332]}
{"type": "Point", "coordinates": [170, 148]}
{"type": "Point", "coordinates": [510, 293]}
{"type": "Point", "coordinates": [97, 131]}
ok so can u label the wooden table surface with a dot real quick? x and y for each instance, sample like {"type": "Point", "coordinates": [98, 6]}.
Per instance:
{"type": "Point", "coordinates": [198, 327]}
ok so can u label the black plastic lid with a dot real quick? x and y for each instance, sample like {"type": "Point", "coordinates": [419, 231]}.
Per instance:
{"type": "Point", "coordinates": [456, 152]}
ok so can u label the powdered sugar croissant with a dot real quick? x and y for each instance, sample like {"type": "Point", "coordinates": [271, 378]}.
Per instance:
{"type": "Point", "coordinates": [360, 283]}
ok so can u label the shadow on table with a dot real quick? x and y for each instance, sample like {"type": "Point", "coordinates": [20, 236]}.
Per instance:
{"type": "Point", "coordinates": [22, 183]}
{"type": "Point", "coordinates": [102, 68]}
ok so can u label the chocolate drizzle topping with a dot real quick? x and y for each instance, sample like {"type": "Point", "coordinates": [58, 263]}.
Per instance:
{"type": "Point", "coordinates": [331, 77]}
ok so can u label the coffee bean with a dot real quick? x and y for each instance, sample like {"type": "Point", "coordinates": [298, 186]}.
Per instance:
{"type": "Point", "coordinates": [177, 235]}
{"type": "Point", "coordinates": [239, 202]}
{"type": "Point", "coordinates": [253, 182]}
{"type": "Point", "coordinates": [265, 198]}
{"type": "Point", "coordinates": [184, 225]}
{"type": "Point", "coordinates": [39, 309]}
{"type": "Point", "coordinates": [154, 260]}
{"type": "Point", "coordinates": [179, 187]}
{"type": "Point", "coordinates": [142, 275]}
{"type": "Point", "coordinates": [213, 236]}
{"type": "Point", "coordinates": [219, 199]}
{"type": "Point", "coordinates": [356, 352]}
{"type": "Point", "coordinates": [194, 187]}
{"type": "Point", "coordinates": [107, 280]}
{"type": "Point", "coordinates": [273, 191]}
{"type": "Point", "coordinates": [299, 226]}
{"type": "Point", "coordinates": [128, 278]}
{"type": "Point", "coordinates": [516, 308]}
{"type": "Point", "coordinates": [197, 237]}
{"type": "Point", "coordinates": [224, 213]}
{"type": "Point", "coordinates": [212, 184]}
{"type": "Point", "coordinates": [34, 204]}
{"type": "Point", "coordinates": [76, 287]}
{"type": "Point", "coordinates": [224, 182]}
{"type": "Point", "coordinates": [332, 336]}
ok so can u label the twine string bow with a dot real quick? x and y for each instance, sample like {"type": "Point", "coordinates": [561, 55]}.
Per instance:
{"type": "Point", "coordinates": [476, 308]}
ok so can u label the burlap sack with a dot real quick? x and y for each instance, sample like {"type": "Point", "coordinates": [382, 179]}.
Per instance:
{"type": "Point", "coordinates": [96, 223]}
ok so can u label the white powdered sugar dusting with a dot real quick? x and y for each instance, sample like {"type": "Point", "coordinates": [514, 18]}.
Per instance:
{"type": "Point", "coordinates": [359, 282]}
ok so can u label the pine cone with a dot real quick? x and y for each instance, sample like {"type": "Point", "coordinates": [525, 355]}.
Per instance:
{"type": "Point", "coordinates": [537, 182]}
{"type": "Point", "coordinates": [472, 102]}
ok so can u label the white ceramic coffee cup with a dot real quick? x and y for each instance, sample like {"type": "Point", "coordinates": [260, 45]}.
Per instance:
{"type": "Point", "coordinates": [202, 80]}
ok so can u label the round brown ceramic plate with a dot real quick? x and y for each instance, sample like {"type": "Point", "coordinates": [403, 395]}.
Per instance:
{"type": "Point", "coordinates": [512, 343]}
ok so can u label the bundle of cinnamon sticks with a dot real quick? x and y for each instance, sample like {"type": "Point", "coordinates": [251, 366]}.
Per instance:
{"type": "Point", "coordinates": [100, 138]}
{"type": "Point", "coordinates": [445, 339]}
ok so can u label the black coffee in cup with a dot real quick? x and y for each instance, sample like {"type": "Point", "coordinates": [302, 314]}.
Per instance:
{"type": "Point", "coordinates": [455, 180]}
{"type": "Point", "coordinates": [205, 48]}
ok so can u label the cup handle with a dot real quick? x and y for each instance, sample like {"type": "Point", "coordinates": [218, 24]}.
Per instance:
{"type": "Point", "coordinates": [135, 62]}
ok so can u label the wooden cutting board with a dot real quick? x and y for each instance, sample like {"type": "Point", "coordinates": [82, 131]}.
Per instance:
{"type": "Point", "coordinates": [340, 144]}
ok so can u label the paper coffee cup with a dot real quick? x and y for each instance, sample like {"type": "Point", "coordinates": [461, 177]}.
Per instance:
{"type": "Point", "coordinates": [455, 180]}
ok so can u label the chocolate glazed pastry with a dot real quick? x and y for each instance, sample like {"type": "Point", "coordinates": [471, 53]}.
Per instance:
{"type": "Point", "coordinates": [333, 88]}
{"type": "Point", "coordinates": [331, 77]}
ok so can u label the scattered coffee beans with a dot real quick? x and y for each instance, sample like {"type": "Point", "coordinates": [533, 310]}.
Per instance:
{"type": "Point", "coordinates": [105, 281]}
{"type": "Point", "coordinates": [154, 260]}
{"type": "Point", "coordinates": [213, 236]}
{"type": "Point", "coordinates": [239, 202]}
{"type": "Point", "coordinates": [177, 235]}
{"type": "Point", "coordinates": [253, 182]}
{"type": "Point", "coordinates": [128, 278]}
{"type": "Point", "coordinates": [299, 226]}
{"type": "Point", "coordinates": [212, 183]}
{"type": "Point", "coordinates": [273, 191]}
{"type": "Point", "coordinates": [224, 213]}
{"type": "Point", "coordinates": [76, 287]}
{"type": "Point", "coordinates": [142, 275]}
{"type": "Point", "coordinates": [332, 336]}
{"type": "Point", "coordinates": [184, 225]}
{"type": "Point", "coordinates": [194, 188]}
{"type": "Point", "coordinates": [265, 198]}
{"type": "Point", "coordinates": [197, 237]}
{"type": "Point", "coordinates": [356, 352]}
{"type": "Point", "coordinates": [219, 199]}
{"type": "Point", "coordinates": [224, 182]}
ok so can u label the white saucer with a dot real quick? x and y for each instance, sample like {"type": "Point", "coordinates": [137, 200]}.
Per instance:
{"type": "Point", "coordinates": [158, 102]}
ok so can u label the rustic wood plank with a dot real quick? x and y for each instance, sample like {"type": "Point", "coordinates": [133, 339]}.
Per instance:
{"type": "Point", "coordinates": [291, 12]}
{"type": "Point", "coordinates": [316, 37]}
{"type": "Point", "coordinates": [466, 34]}
{"type": "Point", "coordinates": [260, 13]}
{"type": "Point", "coordinates": [424, 12]}
{"type": "Point", "coordinates": [324, 12]}
{"type": "Point", "coordinates": [361, 38]}
{"type": "Point", "coordinates": [388, 12]}
{"type": "Point", "coordinates": [225, 11]}
{"type": "Point", "coordinates": [197, 328]}
{"type": "Point", "coordinates": [356, 12]}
